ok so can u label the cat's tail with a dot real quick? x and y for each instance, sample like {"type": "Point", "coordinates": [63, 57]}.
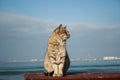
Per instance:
{"type": "Point", "coordinates": [48, 73]}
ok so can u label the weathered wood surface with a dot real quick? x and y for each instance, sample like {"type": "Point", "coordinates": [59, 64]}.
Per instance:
{"type": "Point", "coordinates": [76, 76]}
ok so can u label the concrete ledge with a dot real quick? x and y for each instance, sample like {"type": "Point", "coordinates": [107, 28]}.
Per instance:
{"type": "Point", "coordinates": [76, 76]}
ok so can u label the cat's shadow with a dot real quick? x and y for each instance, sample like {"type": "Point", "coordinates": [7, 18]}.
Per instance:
{"type": "Point", "coordinates": [74, 73]}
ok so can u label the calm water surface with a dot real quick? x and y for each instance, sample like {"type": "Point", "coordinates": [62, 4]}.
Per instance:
{"type": "Point", "coordinates": [16, 70]}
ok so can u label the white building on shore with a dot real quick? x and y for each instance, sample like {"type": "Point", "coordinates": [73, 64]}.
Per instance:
{"type": "Point", "coordinates": [111, 58]}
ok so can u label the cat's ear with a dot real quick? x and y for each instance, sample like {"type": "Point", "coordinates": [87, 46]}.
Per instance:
{"type": "Point", "coordinates": [58, 29]}
{"type": "Point", "coordinates": [60, 26]}
{"type": "Point", "coordinates": [65, 27]}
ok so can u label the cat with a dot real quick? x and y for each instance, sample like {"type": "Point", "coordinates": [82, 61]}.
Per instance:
{"type": "Point", "coordinates": [56, 61]}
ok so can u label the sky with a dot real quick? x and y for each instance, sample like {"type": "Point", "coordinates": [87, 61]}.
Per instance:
{"type": "Point", "coordinates": [26, 25]}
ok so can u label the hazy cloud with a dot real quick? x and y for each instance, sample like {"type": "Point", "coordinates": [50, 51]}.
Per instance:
{"type": "Point", "coordinates": [16, 24]}
{"type": "Point", "coordinates": [13, 24]}
{"type": "Point", "coordinates": [81, 29]}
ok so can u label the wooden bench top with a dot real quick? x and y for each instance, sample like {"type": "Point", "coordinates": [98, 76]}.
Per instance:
{"type": "Point", "coordinates": [76, 76]}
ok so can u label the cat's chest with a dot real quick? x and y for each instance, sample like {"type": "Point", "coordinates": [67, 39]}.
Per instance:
{"type": "Point", "coordinates": [61, 46]}
{"type": "Point", "coordinates": [61, 42]}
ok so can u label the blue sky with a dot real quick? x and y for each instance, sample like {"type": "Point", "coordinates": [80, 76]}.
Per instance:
{"type": "Point", "coordinates": [25, 26]}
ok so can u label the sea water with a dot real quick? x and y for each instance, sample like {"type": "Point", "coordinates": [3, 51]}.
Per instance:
{"type": "Point", "coordinates": [16, 70]}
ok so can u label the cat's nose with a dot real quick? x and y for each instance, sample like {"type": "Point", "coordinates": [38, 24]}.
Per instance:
{"type": "Point", "coordinates": [68, 36]}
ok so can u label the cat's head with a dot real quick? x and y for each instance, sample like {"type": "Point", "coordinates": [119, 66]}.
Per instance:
{"type": "Point", "coordinates": [62, 32]}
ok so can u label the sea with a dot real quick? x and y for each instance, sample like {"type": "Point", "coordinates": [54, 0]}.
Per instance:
{"type": "Point", "coordinates": [16, 70]}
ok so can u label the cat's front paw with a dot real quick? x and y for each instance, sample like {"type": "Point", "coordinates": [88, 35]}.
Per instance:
{"type": "Point", "coordinates": [54, 75]}
{"type": "Point", "coordinates": [60, 75]}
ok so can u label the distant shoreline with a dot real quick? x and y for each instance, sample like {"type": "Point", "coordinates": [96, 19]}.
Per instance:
{"type": "Point", "coordinates": [106, 58]}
